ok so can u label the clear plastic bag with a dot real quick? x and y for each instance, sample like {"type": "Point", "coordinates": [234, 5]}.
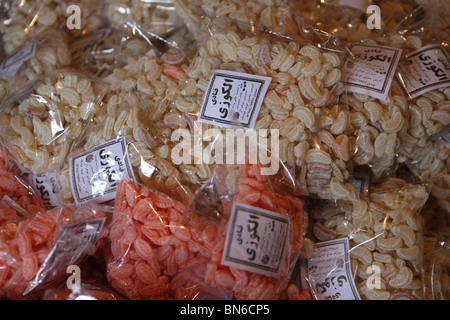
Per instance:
{"type": "Point", "coordinates": [275, 17]}
{"type": "Point", "coordinates": [100, 51]}
{"type": "Point", "coordinates": [17, 198]}
{"type": "Point", "coordinates": [305, 82]}
{"type": "Point", "coordinates": [154, 17]}
{"type": "Point", "coordinates": [399, 124]}
{"type": "Point", "coordinates": [171, 251]}
{"type": "Point", "coordinates": [92, 284]}
{"type": "Point", "coordinates": [37, 57]}
{"type": "Point", "coordinates": [437, 264]}
{"type": "Point", "coordinates": [347, 20]}
{"type": "Point", "coordinates": [132, 115]}
{"type": "Point", "coordinates": [385, 252]}
{"type": "Point", "coordinates": [37, 250]}
{"type": "Point", "coordinates": [24, 19]}
{"type": "Point", "coordinates": [149, 256]}
{"type": "Point", "coordinates": [40, 122]}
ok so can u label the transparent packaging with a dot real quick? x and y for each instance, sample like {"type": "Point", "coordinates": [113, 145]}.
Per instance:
{"type": "Point", "coordinates": [386, 246]}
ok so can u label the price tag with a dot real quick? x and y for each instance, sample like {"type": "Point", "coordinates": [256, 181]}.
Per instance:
{"type": "Point", "coordinates": [369, 69]}
{"type": "Point", "coordinates": [256, 240]}
{"type": "Point", "coordinates": [46, 187]}
{"type": "Point", "coordinates": [96, 173]}
{"type": "Point", "coordinates": [233, 99]}
{"type": "Point", "coordinates": [424, 70]}
{"type": "Point", "coordinates": [12, 64]}
{"type": "Point", "coordinates": [329, 271]}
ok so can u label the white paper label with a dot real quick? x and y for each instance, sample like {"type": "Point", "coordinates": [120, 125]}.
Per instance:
{"type": "Point", "coordinates": [96, 173]}
{"type": "Point", "coordinates": [256, 240]}
{"type": "Point", "coordinates": [12, 64]}
{"type": "Point", "coordinates": [233, 99]}
{"type": "Point", "coordinates": [369, 69]}
{"type": "Point", "coordinates": [355, 4]}
{"type": "Point", "coordinates": [424, 70]}
{"type": "Point", "coordinates": [329, 271]}
{"type": "Point", "coordinates": [46, 187]}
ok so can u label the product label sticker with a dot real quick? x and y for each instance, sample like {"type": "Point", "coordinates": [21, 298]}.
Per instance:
{"type": "Point", "coordinates": [96, 173]}
{"type": "Point", "coordinates": [11, 65]}
{"type": "Point", "coordinates": [46, 187]}
{"type": "Point", "coordinates": [8, 202]}
{"type": "Point", "coordinates": [233, 99]}
{"type": "Point", "coordinates": [424, 70]}
{"type": "Point", "coordinates": [256, 240]}
{"type": "Point", "coordinates": [329, 271]}
{"type": "Point", "coordinates": [355, 4]}
{"type": "Point", "coordinates": [369, 69]}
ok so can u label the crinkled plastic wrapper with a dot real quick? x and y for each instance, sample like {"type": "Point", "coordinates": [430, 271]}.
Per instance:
{"type": "Point", "coordinates": [142, 128]}
{"type": "Point", "coordinates": [385, 237]}
{"type": "Point", "coordinates": [154, 17]}
{"type": "Point", "coordinates": [133, 112]}
{"type": "Point", "coordinates": [304, 86]}
{"type": "Point", "coordinates": [388, 130]}
{"type": "Point", "coordinates": [348, 20]}
{"type": "Point", "coordinates": [91, 283]}
{"type": "Point", "coordinates": [437, 264]}
{"type": "Point", "coordinates": [171, 251]}
{"type": "Point", "coordinates": [40, 123]}
{"type": "Point", "coordinates": [37, 57]}
{"type": "Point", "coordinates": [37, 250]}
{"type": "Point", "coordinates": [276, 18]}
{"type": "Point", "coordinates": [28, 19]}
{"type": "Point", "coordinates": [17, 198]}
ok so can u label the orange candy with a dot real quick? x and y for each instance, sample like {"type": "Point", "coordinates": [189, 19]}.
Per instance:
{"type": "Point", "coordinates": [26, 245]}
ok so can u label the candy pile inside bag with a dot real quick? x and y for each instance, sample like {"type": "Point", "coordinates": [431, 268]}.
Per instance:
{"type": "Point", "coordinates": [225, 150]}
